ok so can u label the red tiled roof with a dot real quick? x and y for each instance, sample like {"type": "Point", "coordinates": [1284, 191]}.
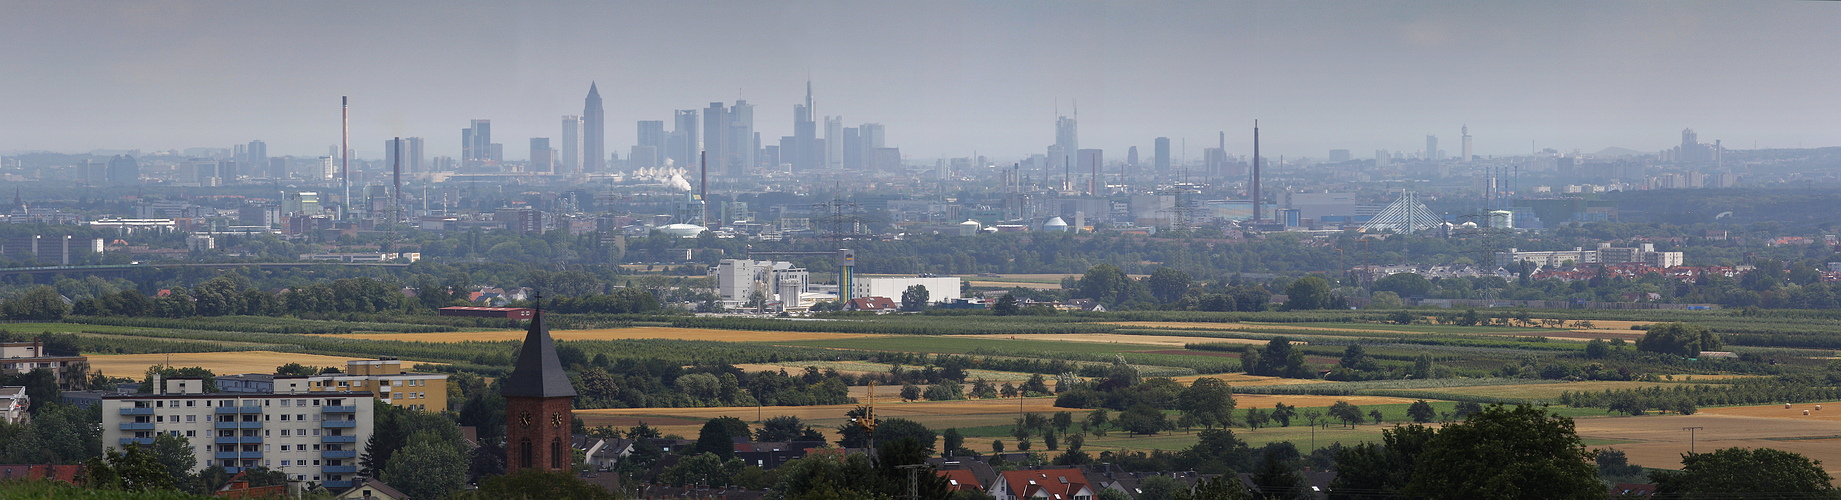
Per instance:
{"type": "Point", "coordinates": [61, 473]}
{"type": "Point", "coordinates": [961, 479]}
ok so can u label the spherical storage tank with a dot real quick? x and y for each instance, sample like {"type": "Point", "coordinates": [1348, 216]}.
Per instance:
{"type": "Point", "coordinates": [969, 227]}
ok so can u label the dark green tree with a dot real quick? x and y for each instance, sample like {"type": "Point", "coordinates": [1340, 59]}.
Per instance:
{"type": "Point", "coordinates": [1421, 412]}
{"type": "Point", "coordinates": [1209, 401]}
{"type": "Point", "coordinates": [914, 298]}
{"type": "Point", "coordinates": [1168, 284]}
{"type": "Point", "coordinates": [718, 436]}
{"type": "Point", "coordinates": [1500, 452]}
{"type": "Point", "coordinates": [1739, 472]}
{"type": "Point", "coordinates": [535, 484]}
{"type": "Point", "coordinates": [1680, 339]}
{"type": "Point", "coordinates": [1006, 306]}
{"type": "Point", "coordinates": [1307, 293]}
{"type": "Point", "coordinates": [430, 467]}
{"type": "Point", "coordinates": [174, 453]}
{"type": "Point", "coordinates": [1404, 284]}
{"type": "Point", "coordinates": [1379, 470]}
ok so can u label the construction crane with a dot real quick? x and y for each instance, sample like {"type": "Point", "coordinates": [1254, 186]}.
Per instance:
{"type": "Point", "coordinates": [846, 267]}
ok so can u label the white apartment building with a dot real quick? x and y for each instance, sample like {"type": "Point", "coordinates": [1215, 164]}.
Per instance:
{"type": "Point", "coordinates": [310, 436]}
{"type": "Point", "coordinates": [938, 289]}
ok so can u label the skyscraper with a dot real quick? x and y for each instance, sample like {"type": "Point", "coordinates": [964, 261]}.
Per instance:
{"type": "Point", "coordinates": [834, 142]}
{"type": "Point", "coordinates": [684, 144]}
{"type": "Point", "coordinates": [1161, 155]}
{"type": "Point", "coordinates": [571, 160]}
{"type": "Point", "coordinates": [1067, 139]}
{"type": "Point", "coordinates": [256, 156]}
{"type": "Point", "coordinates": [542, 157]}
{"type": "Point", "coordinates": [476, 143]}
{"type": "Point", "coordinates": [805, 154]}
{"type": "Point", "coordinates": [853, 149]}
{"type": "Point", "coordinates": [1466, 131]}
{"type": "Point", "coordinates": [594, 133]}
{"type": "Point", "coordinates": [412, 155]}
{"type": "Point", "coordinates": [716, 137]}
{"type": "Point", "coordinates": [124, 171]}
{"type": "Point", "coordinates": [739, 147]}
{"type": "Point", "coordinates": [1431, 148]}
{"type": "Point", "coordinates": [649, 149]}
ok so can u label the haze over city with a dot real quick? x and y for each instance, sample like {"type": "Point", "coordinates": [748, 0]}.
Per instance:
{"type": "Point", "coordinates": [945, 78]}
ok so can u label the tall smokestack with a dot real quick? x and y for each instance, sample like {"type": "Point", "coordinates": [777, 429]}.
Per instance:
{"type": "Point", "coordinates": [1255, 168]}
{"type": "Point", "coordinates": [345, 152]}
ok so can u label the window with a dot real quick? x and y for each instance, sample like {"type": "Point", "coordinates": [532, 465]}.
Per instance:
{"type": "Point", "coordinates": [188, 403]}
{"type": "Point", "coordinates": [159, 418]}
{"type": "Point", "coordinates": [300, 402]}
{"type": "Point", "coordinates": [316, 402]}
{"type": "Point", "coordinates": [556, 453]}
{"type": "Point", "coordinates": [191, 433]}
{"type": "Point", "coordinates": [284, 433]}
{"type": "Point", "coordinates": [284, 463]}
{"type": "Point", "coordinates": [284, 448]}
{"type": "Point", "coordinates": [397, 383]}
{"type": "Point", "coordinates": [285, 402]}
{"type": "Point", "coordinates": [284, 417]}
{"type": "Point", "coordinates": [316, 462]}
{"type": "Point", "coordinates": [524, 453]}
{"type": "Point", "coordinates": [316, 447]}
{"type": "Point", "coordinates": [191, 418]}
{"type": "Point", "coordinates": [265, 448]}
{"type": "Point", "coordinates": [301, 417]}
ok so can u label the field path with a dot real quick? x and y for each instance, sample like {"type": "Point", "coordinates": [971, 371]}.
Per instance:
{"type": "Point", "coordinates": [639, 332]}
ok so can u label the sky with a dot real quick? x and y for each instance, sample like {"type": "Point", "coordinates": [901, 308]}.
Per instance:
{"type": "Point", "coordinates": [946, 78]}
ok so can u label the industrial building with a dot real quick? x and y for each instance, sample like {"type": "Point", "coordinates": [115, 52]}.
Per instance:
{"type": "Point", "coordinates": [738, 281]}
{"type": "Point", "coordinates": [938, 289]}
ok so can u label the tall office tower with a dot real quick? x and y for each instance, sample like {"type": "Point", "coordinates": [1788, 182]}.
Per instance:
{"type": "Point", "coordinates": [642, 157]}
{"type": "Point", "coordinates": [256, 156]}
{"type": "Point", "coordinates": [594, 133]}
{"type": "Point", "coordinates": [874, 136]}
{"type": "Point", "coordinates": [476, 143]}
{"type": "Point", "coordinates": [412, 154]}
{"type": "Point", "coordinates": [1160, 154]}
{"type": "Point", "coordinates": [716, 137]}
{"type": "Point", "coordinates": [1381, 157]}
{"type": "Point", "coordinates": [853, 149]}
{"type": "Point", "coordinates": [239, 152]}
{"type": "Point", "coordinates": [1466, 131]}
{"type": "Point", "coordinates": [1339, 155]}
{"type": "Point", "coordinates": [652, 133]}
{"type": "Point", "coordinates": [124, 171]}
{"type": "Point", "coordinates": [1431, 147]}
{"type": "Point", "coordinates": [571, 160]}
{"type": "Point", "coordinates": [1131, 163]}
{"type": "Point", "coordinates": [1067, 138]}
{"type": "Point", "coordinates": [788, 155]}
{"type": "Point", "coordinates": [739, 146]}
{"type": "Point", "coordinates": [834, 142]}
{"type": "Point", "coordinates": [278, 168]}
{"type": "Point", "coordinates": [685, 147]}
{"type": "Point", "coordinates": [805, 154]}
{"type": "Point", "coordinates": [1090, 160]}
{"type": "Point", "coordinates": [543, 159]}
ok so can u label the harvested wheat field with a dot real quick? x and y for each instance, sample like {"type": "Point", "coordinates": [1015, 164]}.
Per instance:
{"type": "Point", "coordinates": [1113, 338]}
{"type": "Point", "coordinates": [221, 363]}
{"type": "Point", "coordinates": [641, 332]}
{"type": "Point", "coordinates": [1659, 441]}
{"type": "Point", "coordinates": [1183, 325]}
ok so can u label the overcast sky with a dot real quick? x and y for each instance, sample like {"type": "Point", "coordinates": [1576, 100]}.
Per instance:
{"type": "Point", "coordinates": [946, 78]}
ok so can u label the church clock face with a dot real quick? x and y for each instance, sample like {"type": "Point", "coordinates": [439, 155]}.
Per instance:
{"type": "Point", "coordinates": [524, 419]}
{"type": "Point", "coordinates": [556, 420]}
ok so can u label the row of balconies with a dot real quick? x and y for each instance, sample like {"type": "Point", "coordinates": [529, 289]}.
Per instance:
{"type": "Point", "coordinates": [233, 410]}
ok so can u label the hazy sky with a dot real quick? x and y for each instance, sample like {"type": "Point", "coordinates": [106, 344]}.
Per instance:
{"type": "Point", "coordinates": [946, 78]}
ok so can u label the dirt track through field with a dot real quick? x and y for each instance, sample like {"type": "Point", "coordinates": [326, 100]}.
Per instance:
{"type": "Point", "coordinates": [1113, 338]}
{"type": "Point", "coordinates": [641, 332]}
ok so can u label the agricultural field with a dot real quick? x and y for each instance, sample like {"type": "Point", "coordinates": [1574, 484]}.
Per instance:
{"type": "Point", "coordinates": [221, 363]}
{"type": "Point", "coordinates": [1659, 441]}
{"type": "Point", "coordinates": [639, 332]}
{"type": "Point", "coordinates": [1158, 341]}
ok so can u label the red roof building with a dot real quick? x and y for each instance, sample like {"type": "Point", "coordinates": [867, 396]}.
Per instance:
{"type": "Point", "coordinates": [59, 473]}
{"type": "Point", "coordinates": [1044, 484]}
{"type": "Point", "coordinates": [961, 479]}
{"type": "Point", "coordinates": [878, 304]}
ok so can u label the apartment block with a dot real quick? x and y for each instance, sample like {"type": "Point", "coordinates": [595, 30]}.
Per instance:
{"type": "Point", "coordinates": [310, 436]}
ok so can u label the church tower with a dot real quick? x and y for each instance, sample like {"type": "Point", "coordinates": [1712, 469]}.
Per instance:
{"type": "Point", "coordinates": [538, 405]}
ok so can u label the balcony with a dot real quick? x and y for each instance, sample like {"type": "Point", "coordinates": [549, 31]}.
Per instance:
{"type": "Point", "coordinates": [249, 425]}
{"type": "Point", "coordinates": [336, 485]}
{"type": "Point", "coordinates": [227, 440]}
{"type": "Point", "coordinates": [139, 441]}
{"type": "Point", "coordinates": [137, 411]}
{"type": "Point", "coordinates": [233, 455]}
{"type": "Point", "coordinates": [339, 469]}
{"type": "Point", "coordinates": [338, 409]}
{"type": "Point", "coordinates": [339, 424]}
{"type": "Point", "coordinates": [225, 425]}
{"type": "Point", "coordinates": [339, 439]}
{"type": "Point", "coordinates": [249, 409]}
{"type": "Point", "coordinates": [223, 455]}
{"type": "Point", "coordinates": [339, 454]}
{"type": "Point", "coordinates": [240, 440]}
{"type": "Point", "coordinates": [137, 426]}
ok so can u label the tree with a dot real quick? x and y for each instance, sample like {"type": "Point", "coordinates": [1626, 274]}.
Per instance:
{"type": "Point", "coordinates": [1355, 357]}
{"type": "Point", "coordinates": [910, 392]}
{"type": "Point", "coordinates": [1275, 476]}
{"type": "Point", "coordinates": [41, 303]}
{"type": "Point", "coordinates": [1387, 300]}
{"type": "Point", "coordinates": [1421, 411]}
{"type": "Point", "coordinates": [1161, 487]}
{"type": "Point", "coordinates": [1349, 414]}
{"type": "Point", "coordinates": [1006, 306]}
{"type": "Point", "coordinates": [1257, 418]}
{"type": "Point", "coordinates": [1279, 359]}
{"type": "Point", "coordinates": [1223, 487]}
{"type": "Point", "coordinates": [1143, 419]}
{"type": "Point", "coordinates": [1404, 285]}
{"type": "Point", "coordinates": [1104, 283]}
{"type": "Point", "coordinates": [1096, 422]}
{"type": "Point", "coordinates": [914, 298]}
{"type": "Point", "coordinates": [718, 436]}
{"type": "Point", "coordinates": [174, 453]}
{"type": "Point", "coordinates": [1282, 413]}
{"type": "Point", "coordinates": [1062, 420]}
{"type": "Point", "coordinates": [953, 441]}
{"type": "Point", "coordinates": [1309, 292]}
{"type": "Point", "coordinates": [430, 467]}
{"type": "Point", "coordinates": [1168, 284]}
{"type": "Point", "coordinates": [1379, 470]}
{"type": "Point", "coordinates": [1506, 453]}
{"type": "Point", "coordinates": [781, 428]}
{"type": "Point", "coordinates": [1737, 472]}
{"type": "Point", "coordinates": [1597, 349]}
{"type": "Point", "coordinates": [133, 469]}
{"type": "Point", "coordinates": [1680, 339]}
{"type": "Point", "coordinates": [706, 469]}
{"type": "Point", "coordinates": [1209, 401]}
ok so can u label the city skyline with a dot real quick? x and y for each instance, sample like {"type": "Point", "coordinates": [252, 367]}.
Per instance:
{"type": "Point", "coordinates": [949, 78]}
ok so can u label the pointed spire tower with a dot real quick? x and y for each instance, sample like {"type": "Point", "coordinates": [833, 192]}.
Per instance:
{"type": "Point", "coordinates": [539, 404]}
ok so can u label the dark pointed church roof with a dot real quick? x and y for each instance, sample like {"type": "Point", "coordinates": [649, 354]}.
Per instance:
{"type": "Point", "coordinates": [539, 373]}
